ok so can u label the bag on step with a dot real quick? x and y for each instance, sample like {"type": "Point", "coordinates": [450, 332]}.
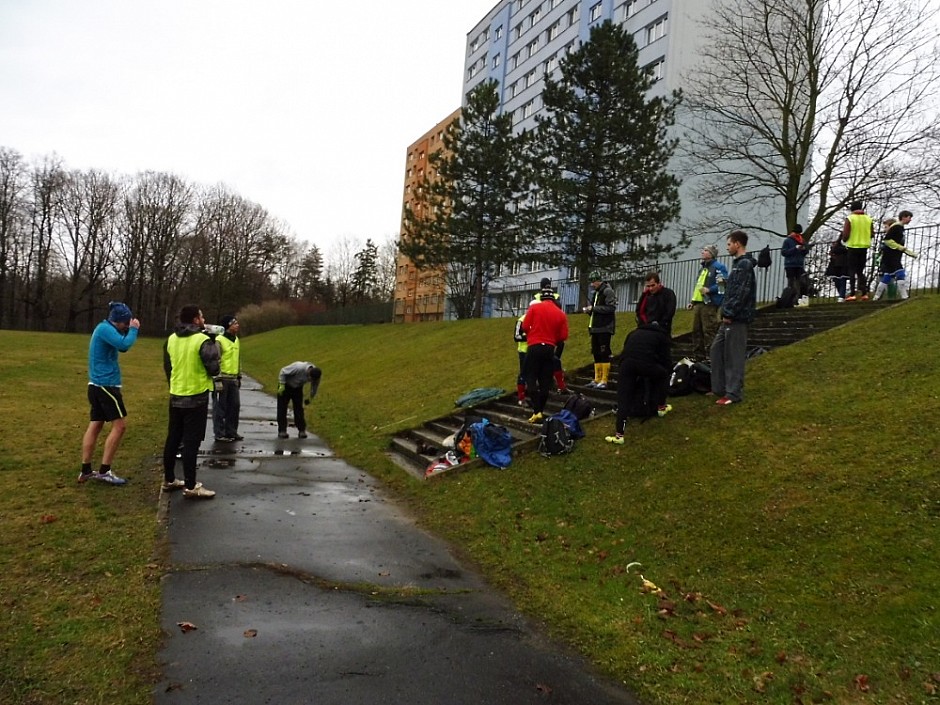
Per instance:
{"type": "Point", "coordinates": [555, 438]}
{"type": "Point", "coordinates": [579, 405]}
{"type": "Point", "coordinates": [493, 443]}
{"type": "Point", "coordinates": [763, 258]}
{"type": "Point", "coordinates": [680, 383]}
{"type": "Point", "coordinates": [787, 298]}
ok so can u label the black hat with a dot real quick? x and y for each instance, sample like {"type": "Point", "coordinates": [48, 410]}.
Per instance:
{"type": "Point", "coordinates": [546, 283]}
{"type": "Point", "coordinates": [227, 321]}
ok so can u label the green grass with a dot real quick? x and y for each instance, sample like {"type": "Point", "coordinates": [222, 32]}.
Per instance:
{"type": "Point", "coordinates": [793, 537]}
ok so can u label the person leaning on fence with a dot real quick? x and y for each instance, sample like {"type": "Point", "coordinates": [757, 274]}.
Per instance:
{"type": "Point", "coordinates": [290, 390]}
{"type": "Point", "coordinates": [857, 232]}
{"type": "Point", "coordinates": [706, 302]}
{"type": "Point", "coordinates": [891, 251]}
{"type": "Point", "coordinates": [794, 251]}
{"type": "Point", "coordinates": [838, 269]}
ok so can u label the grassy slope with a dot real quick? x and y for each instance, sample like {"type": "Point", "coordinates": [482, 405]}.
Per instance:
{"type": "Point", "coordinates": [794, 536]}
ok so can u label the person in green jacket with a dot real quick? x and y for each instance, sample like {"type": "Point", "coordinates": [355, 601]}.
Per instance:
{"type": "Point", "coordinates": [857, 231]}
{"type": "Point", "coordinates": [191, 362]}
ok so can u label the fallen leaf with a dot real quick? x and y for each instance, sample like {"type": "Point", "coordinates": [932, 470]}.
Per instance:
{"type": "Point", "coordinates": [543, 689]}
{"type": "Point", "coordinates": [761, 681]}
{"type": "Point", "coordinates": [186, 626]}
{"type": "Point", "coordinates": [249, 633]}
{"type": "Point", "coordinates": [781, 657]}
{"type": "Point", "coordinates": [861, 683]}
{"type": "Point", "coordinates": [48, 518]}
{"type": "Point", "coordinates": [717, 608]}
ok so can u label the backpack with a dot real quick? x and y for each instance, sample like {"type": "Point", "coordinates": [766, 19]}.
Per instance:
{"type": "Point", "coordinates": [787, 298]}
{"type": "Point", "coordinates": [493, 443]}
{"type": "Point", "coordinates": [579, 405]}
{"type": "Point", "coordinates": [555, 438]}
{"type": "Point", "coordinates": [763, 258]}
{"type": "Point", "coordinates": [680, 383]}
{"type": "Point", "coordinates": [571, 422]}
{"type": "Point", "coordinates": [701, 377]}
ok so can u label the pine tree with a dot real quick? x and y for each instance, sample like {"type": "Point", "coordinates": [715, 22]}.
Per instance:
{"type": "Point", "coordinates": [465, 220]}
{"type": "Point", "coordinates": [602, 150]}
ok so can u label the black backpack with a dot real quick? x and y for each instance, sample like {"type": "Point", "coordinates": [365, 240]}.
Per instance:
{"type": "Point", "coordinates": [579, 405]}
{"type": "Point", "coordinates": [701, 377]}
{"type": "Point", "coordinates": [680, 383]}
{"type": "Point", "coordinates": [555, 438]}
{"type": "Point", "coordinates": [787, 298]}
{"type": "Point", "coordinates": [763, 258]}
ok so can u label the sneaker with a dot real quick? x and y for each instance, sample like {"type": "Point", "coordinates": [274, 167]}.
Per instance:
{"type": "Point", "coordinates": [840, 300]}
{"type": "Point", "coordinates": [238, 438]}
{"type": "Point", "coordinates": [592, 384]}
{"type": "Point", "coordinates": [850, 298]}
{"type": "Point", "coordinates": [616, 440]}
{"type": "Point", "coordinates": [864, 298]}
{"type": "Point", "coordinates": [600, 385]}
{"type": "Point", "coordinates": [725, 401]}
{"type": "Point", "coordinates": [198, 492]}
{"type": "Point", "coordinates": [536, 417]}
{"type": "Point", "coordinates": [224, 439]}
{"type": "Point", "coordinates": [521, 402]}
{"type": "Point", "coordinates": [108, 477]}
{"type": "Point", "coordinates": [663, 410]}
{"type": "Point", "coordinates": [566, 391]}
{"type": "Point", "coordinates": [177, 484]}
{"type": "Point", "coordinates": [302, 434]}
{"type": "Point", "coordinates": [85, 476]}
{"type": "Point", "coordinates": [282, 434]}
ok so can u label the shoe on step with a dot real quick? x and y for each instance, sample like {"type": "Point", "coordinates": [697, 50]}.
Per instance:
{"type": "Point", "coordinates": [198, 492]}
{"type": "Point", "coordinates": [536, 418]}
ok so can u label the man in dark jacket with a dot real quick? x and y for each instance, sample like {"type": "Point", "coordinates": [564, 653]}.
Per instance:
{"type": "Point", "coordinates": [190, 361]}
{"type": "Point", "coordinates": [645, 367]}
{"type": "Point", "coordinates": [794, 251]}
{"type": "Point", "coordinates": [737, 311]}
{"type": "Point", "coordinates": [601, 325]}
{"type": "Point", "coordinates": [657, 304]}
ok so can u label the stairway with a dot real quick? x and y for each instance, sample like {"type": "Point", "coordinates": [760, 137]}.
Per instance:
{"type": "Point", "coordinates": [414, 449]}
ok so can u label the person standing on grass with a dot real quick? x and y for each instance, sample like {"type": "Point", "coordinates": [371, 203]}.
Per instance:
{"type": "Point", "coordinates": [657, 304]}
{"type": "Point", "coordinates": [116, 334]}
{"type": "Point", "coordinates": [706, 302]}
{"type": "Point", "coordinates": [602, 325]}
{"type": "Point", "coordinates": [857, 231]}
{"type": "Point", "coordinates": [729, 350]}
{"type": "Point", "coordinates": [290, 390]}
{"type": "Point", "coordinates": [226, 404]}
{"type": "Point", "coordinates": [645, 367]}
{"type": "Point", "coordinates": [545, 326]}
{"type": "Point", "coordinates": [191, 362]}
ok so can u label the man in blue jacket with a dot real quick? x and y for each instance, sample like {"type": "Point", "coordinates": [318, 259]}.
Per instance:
{"type": "Point", "coordinates": [706, 302]}
{"type": "Point", "coordinates": [729, 350]}
{"type": "Point", "coordinates": [114, 335]}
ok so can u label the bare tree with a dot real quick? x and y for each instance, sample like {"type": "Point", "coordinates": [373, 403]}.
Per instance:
{"type": "Point", "coordinates": [386, 268]}
{"type": "Point", "coordinates": [47, 181]}
{"type": "Point", "coordinates": [341, 271]}
{"type": "Point", "coordinates": [13, 173]}
{"type": "Point", "coordinates": [811, 103]}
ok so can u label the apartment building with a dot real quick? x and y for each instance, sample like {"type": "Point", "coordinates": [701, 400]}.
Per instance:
{"type": "Point", "coordinates": [518, 42]}
{"type": "Point", "coordinates": [420, 295]}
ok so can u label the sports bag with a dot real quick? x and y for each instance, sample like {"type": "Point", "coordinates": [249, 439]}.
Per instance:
{"type": "Point", "coordinates": [555, 438]}
{"type": "Point", "coordinates": [680, 383]}
{"type": "Point", "coordinates": [763, 258]}
{"type": "Point", "coordinates": [579, 405]}
{"type": "Point", "coordinates": [492, 443]}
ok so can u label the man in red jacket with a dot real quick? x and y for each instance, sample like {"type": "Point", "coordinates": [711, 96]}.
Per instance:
{"type": "Point", "coordinates": [545, 326]}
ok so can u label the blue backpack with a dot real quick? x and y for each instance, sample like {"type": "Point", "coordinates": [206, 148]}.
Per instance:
{"type": "Point", "coordinates": [493, 443]}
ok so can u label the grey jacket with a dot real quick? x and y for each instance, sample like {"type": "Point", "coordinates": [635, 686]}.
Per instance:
{"type": "Point", "coordinates": [295, 375]}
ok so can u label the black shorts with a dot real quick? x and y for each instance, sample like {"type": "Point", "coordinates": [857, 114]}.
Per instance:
{"type": "Point", "coordinates": [107, 404]}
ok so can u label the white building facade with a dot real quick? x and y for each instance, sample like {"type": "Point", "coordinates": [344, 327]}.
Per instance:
{"type": "Point", "coordinates": [519, 41]}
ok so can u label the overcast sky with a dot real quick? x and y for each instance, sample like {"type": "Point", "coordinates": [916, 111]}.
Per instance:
{"type": "Point", "coordinates": [303, 106]}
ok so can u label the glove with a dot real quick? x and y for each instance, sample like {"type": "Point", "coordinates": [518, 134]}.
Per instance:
{"type": "Point", "coordinates": [281, 388]}
{"type": "Point", "coordinates": [306, 402]}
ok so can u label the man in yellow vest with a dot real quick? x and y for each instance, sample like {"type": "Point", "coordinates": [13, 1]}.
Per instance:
{"type": "Point", "coordinates": [857, 231]}
{"type": "Point", "coordinates": [226, 403]}
{"type": "Point", "coordinates": [191, 361]}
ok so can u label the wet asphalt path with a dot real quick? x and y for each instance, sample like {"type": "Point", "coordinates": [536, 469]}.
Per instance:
{"type": "Point", "coordinates": [306, 584]}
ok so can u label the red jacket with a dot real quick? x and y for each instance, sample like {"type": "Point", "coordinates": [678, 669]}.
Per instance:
{"type": "Point", "coordinates": [545, 322]}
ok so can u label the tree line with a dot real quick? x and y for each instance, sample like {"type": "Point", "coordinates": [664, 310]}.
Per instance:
{"type": "Point", "coordinates": [70, 240]}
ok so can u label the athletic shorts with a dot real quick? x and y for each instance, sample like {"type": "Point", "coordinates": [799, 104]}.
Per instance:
{"type": "Point", "coordinates": [107, 404]}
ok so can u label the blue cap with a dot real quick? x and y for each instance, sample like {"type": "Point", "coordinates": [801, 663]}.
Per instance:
{"type": "Point", "coordinates": [119, 312]}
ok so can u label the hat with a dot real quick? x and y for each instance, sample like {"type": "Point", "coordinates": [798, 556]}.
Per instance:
{"type": "Point", "coordinates": [546, 283]}
{"type": "Point", "coordinates": [595, 276]}
{"type": "Point", "coordinates": [712, 250]}
{"type": "Point", "coordinates": [798, 228]}
{"type": "Point", "coordinates": [119, 312]}
{"type": "Point", "coordinates": [227, 321]}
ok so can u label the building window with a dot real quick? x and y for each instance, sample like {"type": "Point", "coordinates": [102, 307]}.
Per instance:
{"type": "Point", "coordinates": [535, 16]}
{"type": "Point", "coordinates": [530, 78]}
{"type": "Point", "coordinates": [517, 31]}
{"type": "Point", "coordinates": [513, 89]}
{"type": "Point", "coordinates": [498, 33]}
{"type": "Point", "coordinates": [532, 48]}
{"type": "Point", "coordinates": [497, 60]}
{"type": "Point", "coordinates": [554, 30]}
{"type": "Point", "coordinates": [514, 61]}
{"type": "Point", "coordinates": [657, 69]}
{"type": "Point", "coordinates": [528, 109]}
{"type": "Point", "coordinates": [551, 64]}
{"type": "Point", "coordinates": [574, 14]}
{"type": "Point", "coordinates": [657, 30]}
{"type": "Point", "coordinates": [630, 8]}
{"type": "Point", "coordinates": [595, 12]}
